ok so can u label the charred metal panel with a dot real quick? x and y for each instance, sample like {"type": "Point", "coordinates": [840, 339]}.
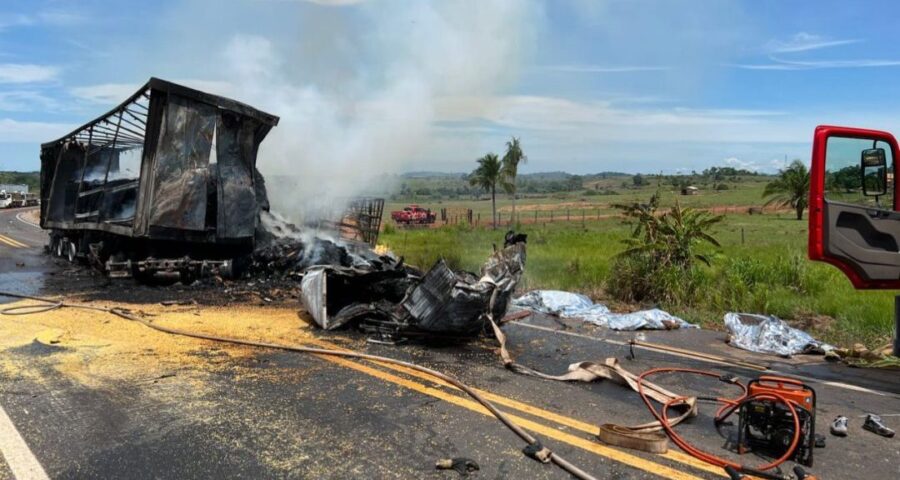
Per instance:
{"type": "Point", "coordinates": [49, 158]}
{"type": "Point", "coordinates": [237, 212]}
{"type": "Point", "coordinates": [64, 188]}
{"type": "Point", "coordinates": [180, 165]}
{"type": "Point", "coordinates": [155, 110]}
{"type": "Point", "coordinates": [445, 303]}
{"type": "Point", "coordinates": [313, 292]}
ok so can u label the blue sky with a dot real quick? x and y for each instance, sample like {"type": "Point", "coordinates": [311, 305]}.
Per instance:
{"type": "Point", "coordinates": [589, 86]}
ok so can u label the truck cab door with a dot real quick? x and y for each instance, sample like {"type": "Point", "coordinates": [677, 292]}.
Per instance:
{"type": "Point", "coordinates": [854, 222]}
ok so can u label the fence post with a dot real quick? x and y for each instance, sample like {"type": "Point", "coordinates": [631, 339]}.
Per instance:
{"type": "Point", "coordinates": [742, 235]}
{"type": "Point", "coordinates": [535, 215]}
{"type": "Point", "coordinates": [551, 216]}
{"type": "Point", "coordinates": [567, 215]}
{"type": "Point", "coordinates": [582, 218]}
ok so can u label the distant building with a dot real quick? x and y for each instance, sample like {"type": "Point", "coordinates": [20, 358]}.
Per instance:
{"type": "Point", "coordinates": [690, 190]}
{"type": "Point", "coordinates": [13, 188]}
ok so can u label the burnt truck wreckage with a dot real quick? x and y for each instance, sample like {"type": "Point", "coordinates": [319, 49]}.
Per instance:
{"type": "Point", "coordinates": [166, 182]}
{"type": "Point", "coordinates": [347, 284]}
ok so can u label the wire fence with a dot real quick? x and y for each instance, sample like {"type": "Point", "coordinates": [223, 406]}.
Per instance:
{"type": "Point", "coordinates": [461, 216]}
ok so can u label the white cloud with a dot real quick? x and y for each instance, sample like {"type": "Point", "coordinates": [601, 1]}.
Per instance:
{"type": "Point", "coordinates": [27, 73]}
{"type": "Point", "coordinates": [802, 41]}
{"type": "Point", "coordinates": [114, 93]}
{"type": "Point", "coordinates": [602, 68]}
{"type": "Point", "coordinates": [14, 20]}
{"type": "Point", "coordinates": [580, 121]}
{"type": "Point", "coordinates": [25, 100]}
{"type": "Point", "coordinates": [862, 63]}
{"type": "Point", "coordinates": [782, 64]}
{"type": "Point", "coordinates": [742, 164]}
{"type": "Point", "coordinates": [61, 18]}
{"type": "Point", "coordinates": [108, 93]}
{"type": "Point", "coordinates": [14, 131]}
{"type": "Point", "coordinates": [53, 17]}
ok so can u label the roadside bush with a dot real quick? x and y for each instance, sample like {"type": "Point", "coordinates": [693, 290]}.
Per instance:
{"type": "Point", "coordinates": [640, 279]}
{"type": "Point", "coordinates": [660, 264]}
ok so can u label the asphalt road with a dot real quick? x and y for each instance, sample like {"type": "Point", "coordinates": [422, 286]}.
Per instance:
{"type": "Point", "coordinates": [22, 263]}
{"type": "Point", "coordinates": [269, 414]}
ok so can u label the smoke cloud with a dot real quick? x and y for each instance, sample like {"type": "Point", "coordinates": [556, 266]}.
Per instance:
{"type": "Point", "coordinates": [345, 123]}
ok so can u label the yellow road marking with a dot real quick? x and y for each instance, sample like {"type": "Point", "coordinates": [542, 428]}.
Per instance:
{"type": "Point", "coordinates": [602, 450]}
{"type": "Point", "coordinates": [542, 429]}
{"type": "Point", "coordinates": [12, 242]}
{"type": "Point", "coordinates": [555, 417]}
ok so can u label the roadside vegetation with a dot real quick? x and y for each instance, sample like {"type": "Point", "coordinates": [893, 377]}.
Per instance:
{"type": "Point", "coordinates": [790, 188]}
{"type": "Point", "coordinates": [759, 266]}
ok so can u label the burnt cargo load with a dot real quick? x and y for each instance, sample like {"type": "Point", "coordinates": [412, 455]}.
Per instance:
{"type": "Point", "coordinates": [165, 183]}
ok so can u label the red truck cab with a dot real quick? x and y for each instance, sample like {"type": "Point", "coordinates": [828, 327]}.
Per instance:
{"type": "Point", "coordinates": [413, 214]}
{"type": "Point", "coordinates": [854, 220]}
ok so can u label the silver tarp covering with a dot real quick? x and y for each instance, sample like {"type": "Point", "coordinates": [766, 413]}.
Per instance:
{"type": "Point", "coordinates": [574, 305]}
{"type": "Point", "coordinates": [769, 334]}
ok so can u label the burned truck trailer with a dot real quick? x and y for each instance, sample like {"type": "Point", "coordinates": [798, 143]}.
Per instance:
{"type": "Point", "coordinates": [164, 183]}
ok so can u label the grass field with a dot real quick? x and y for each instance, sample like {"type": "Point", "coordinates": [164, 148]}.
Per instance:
{"type": "Point", "coordinates": [746, 193]}
{"type": "Point", "coordinates": [760, 268]}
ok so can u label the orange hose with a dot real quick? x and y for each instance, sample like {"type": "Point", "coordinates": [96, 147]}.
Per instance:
{"type": "Point", "coordinates": [728, 408]}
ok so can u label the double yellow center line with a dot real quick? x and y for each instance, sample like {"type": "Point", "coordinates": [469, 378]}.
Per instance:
{"type": "Point", "coordinates": [12, 242]}
{"type": "Point", "coordinates": [555, 420]}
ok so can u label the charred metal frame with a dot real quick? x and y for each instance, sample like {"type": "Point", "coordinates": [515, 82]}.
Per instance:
{"type": "Point", "coordinates": [362, 220]}
{"type": "Point", "coordinates": [176, 192]}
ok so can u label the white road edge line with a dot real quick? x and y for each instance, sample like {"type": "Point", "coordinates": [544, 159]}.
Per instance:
{"type": "Point", "coordinates": [26, 222]}
{"type": "Point", "coordinates": [15, 451]}
{"type": "Point", "coordinates": [845, 386]}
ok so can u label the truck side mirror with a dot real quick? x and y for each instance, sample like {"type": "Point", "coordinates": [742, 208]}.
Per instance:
{"type": "Point", "coordinates": [873, 168]}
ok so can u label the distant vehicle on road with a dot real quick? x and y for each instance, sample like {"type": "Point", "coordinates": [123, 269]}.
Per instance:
{"type": "Point", "coordinates": [414, 214]}
{"type": "Point", "coordinates": [18, 199]}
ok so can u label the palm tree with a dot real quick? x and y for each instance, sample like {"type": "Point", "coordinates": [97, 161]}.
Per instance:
{"type": "Point", "coordinates": [514, 155]}
{"type": "Point", "coordinates": [791, 188]}
{"type": "Point", "coordinates": [488, 174]}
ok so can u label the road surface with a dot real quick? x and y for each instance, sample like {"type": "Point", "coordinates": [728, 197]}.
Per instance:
{"type": "Point", "coordinates": [90, 395]}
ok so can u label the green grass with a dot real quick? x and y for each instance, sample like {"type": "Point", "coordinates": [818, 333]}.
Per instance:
{"type": "Point", "coordinates": [745, 193]}
{"type": "Point", "coordinates": [760, 268]}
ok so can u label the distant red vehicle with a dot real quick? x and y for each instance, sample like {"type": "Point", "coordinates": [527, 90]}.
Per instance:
{"type": "Point", "coordinates": [414, 214]}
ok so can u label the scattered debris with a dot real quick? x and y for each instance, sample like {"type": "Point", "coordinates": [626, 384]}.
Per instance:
{"type": "Point", "coordinates": [392, 301]}
{"type": "Point", "coordinates": [169, 303]}
{"type": "Point", "coordinates": [769, 334]}
{"type": "Point", "coordinates": [574, 305]}
{"type": "Point", "coordinates": [50, 336]}
{"type": "Point", "coordinates": [860, 356]}
{"type": "Point", "coordinates": [839, 426]}
{"type": "Point", "coordinates": [875, 425]}
{"type": "Point", "coordinates": [463, 466]}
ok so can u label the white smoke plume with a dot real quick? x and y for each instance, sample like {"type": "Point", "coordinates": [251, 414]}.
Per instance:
{"type": "Point", "coordinates": [343, 127]}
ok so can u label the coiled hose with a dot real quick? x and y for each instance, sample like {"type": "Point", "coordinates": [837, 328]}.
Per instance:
{"type": "Point", "coordinates": [729, 406]}
{"type": "Point", "coordinates": [540, 452]}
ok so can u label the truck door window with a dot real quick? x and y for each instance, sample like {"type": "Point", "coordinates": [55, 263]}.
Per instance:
{"type": "Point", "coordinates": [844, 174]}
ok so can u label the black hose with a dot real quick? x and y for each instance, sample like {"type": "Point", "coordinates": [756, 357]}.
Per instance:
{"type": "Point", "coordinates": [127, 315]}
